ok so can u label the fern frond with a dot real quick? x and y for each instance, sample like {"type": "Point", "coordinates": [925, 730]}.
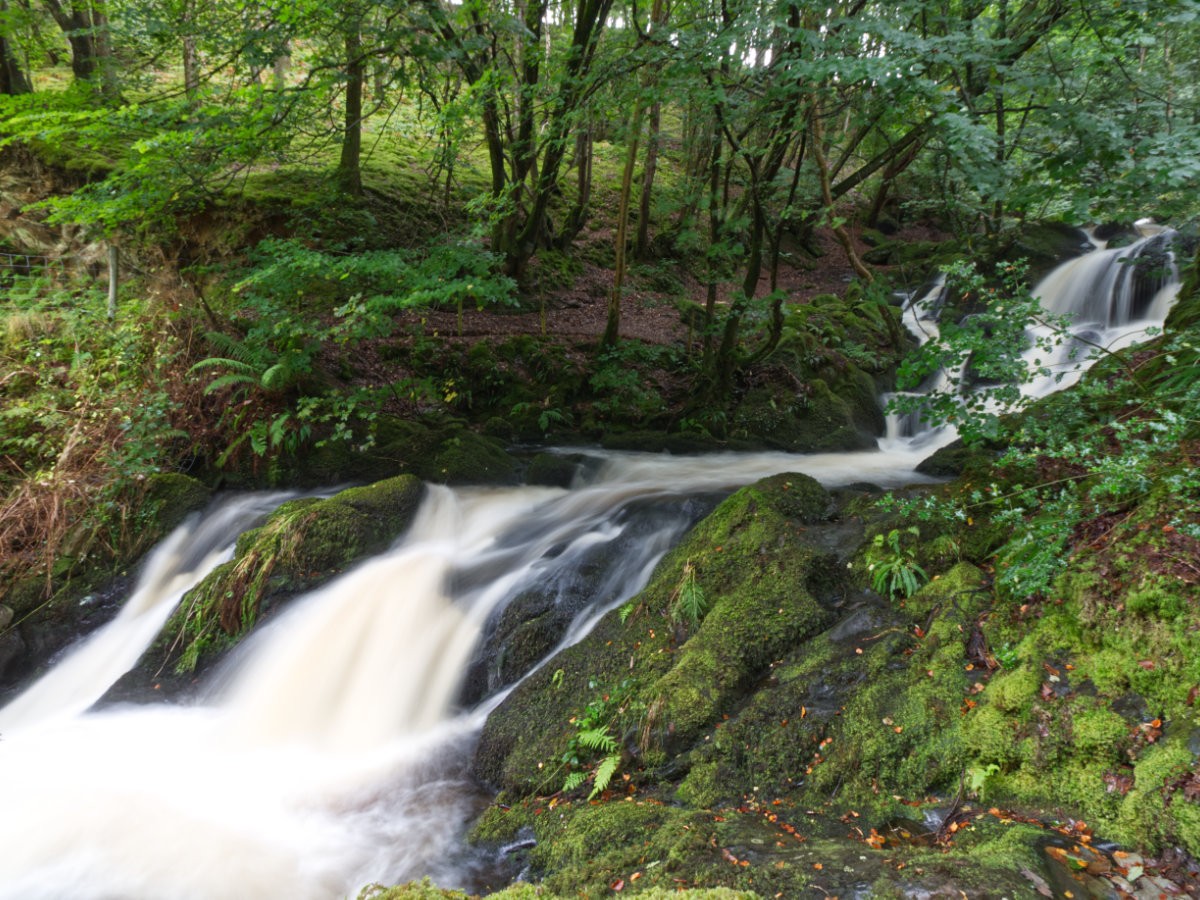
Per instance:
{"type": "Point", "coordinates": [278, 376]}
{"type": "Point", "coordinates": [224, 362]}
{"type": "Point", "coordinates": [574, 780]}
{"type": "Point", "coordinates": [597, 739]}
{"type": "Point", "coordinates": [237, 349]}
{"type": "Point", "coordinates": [604, 773]}
{"type": "Point", "coordinates": [229, 380]}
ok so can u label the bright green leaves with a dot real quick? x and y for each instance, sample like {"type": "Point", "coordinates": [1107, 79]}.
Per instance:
{"type": "Point", "coordinates": [689, 603]}
{"type": "Point", "coordinates": [982, 355]}
{"type": "Point", "coordinates": [594, 735]}
{"type": "Point", "coordinates": [892, 562]}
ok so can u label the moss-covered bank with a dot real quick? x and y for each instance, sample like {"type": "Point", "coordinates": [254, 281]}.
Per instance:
{"type": "Point", "coordinates": [303, 544]}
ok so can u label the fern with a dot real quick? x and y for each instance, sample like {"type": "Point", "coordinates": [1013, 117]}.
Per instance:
{"type": "Point", "coordinates": [598, 739]}
{"type": "Point", "coordinates": [235, 349]}
{"type": "Point", "coordinates": [604, 773]}
{"type": "Point", "coordinates": [689, 602]}
{"type": "Point", "coordinates": [229, 380]}
{"type": "Point", "coordinates": [572, 781]}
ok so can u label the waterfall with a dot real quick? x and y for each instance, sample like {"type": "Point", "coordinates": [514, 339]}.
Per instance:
{"type": "Point", "coordinates": [178, 564]}
{"type": "Point", "coordinates": [1110, 298]}
{"type": "Point", "coordinates": [331, 752]}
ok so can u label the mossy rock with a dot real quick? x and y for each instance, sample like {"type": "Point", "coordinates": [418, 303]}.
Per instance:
{"type": "Point", "coordinates": [750, 560]}
{"type": "Point", "coordinates": [815, 421]}
{"type": "Point", "coordinates": [168, 498]}
{"type": "Point", "coordinates": [925, 256]}
{"type": "Point", "coordinates": [1185, 313]}
{"type": "Point", "coordinates": [447, 453]}
{"type": "Point", "coordinates": [956, 459]}
{"type": "Point", "coordinates": [1041, 245]}
{"type": "Point", "coordinates": [302, 545]}
{"type": "Point", "coordinates": [470, 458]}
{"type": "Point", "coordinates": [552, 470]}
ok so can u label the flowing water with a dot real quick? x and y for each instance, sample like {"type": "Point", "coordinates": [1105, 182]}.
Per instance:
{"type": "Point", "coordinates": [332, 751]}
{"type": "Point", "coordinates": [1109, 299]}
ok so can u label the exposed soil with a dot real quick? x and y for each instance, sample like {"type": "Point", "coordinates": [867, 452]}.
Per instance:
{"type": "Point", "coordinates": [578, 314]}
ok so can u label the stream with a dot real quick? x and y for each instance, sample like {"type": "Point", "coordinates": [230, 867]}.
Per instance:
{"type": "Point", "coordinates": [332, 750]}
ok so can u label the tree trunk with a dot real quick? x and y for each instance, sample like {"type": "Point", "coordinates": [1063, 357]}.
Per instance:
{"type": "Point", "coordinates": [580, 211]}
{"type": "Point", "coordinates": [113, 275]}
{"type": "Point", "coordinates": [613, 327]}
{"type": "Point", "coordinates": [191, 54]}
{"type": "Point", "coordinates": [839, 231]}
{"type": "Point", "coordinates": [349, 166]}
{"type": "Point", "coordinates": [86, 30]}
{"type": "Point", "coordinates": [12, 78]}
{"type": "Point", "coordinates": [642, 244]}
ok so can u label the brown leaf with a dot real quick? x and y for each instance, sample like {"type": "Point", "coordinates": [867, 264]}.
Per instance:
{"type": "Point", "coordinates": [1118, 783]}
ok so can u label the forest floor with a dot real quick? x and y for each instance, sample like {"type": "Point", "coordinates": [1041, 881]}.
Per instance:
{"type": "Point", "coordinates": [578, 313]}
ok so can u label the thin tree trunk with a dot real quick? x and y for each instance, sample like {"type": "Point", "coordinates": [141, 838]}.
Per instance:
{"type": "Point", "coordinates": [113, 277]}
{"type": "Point", "coordinates": [191, 54]}
{"type": "Point", "coordinates": [642, 244]}
{"type": "Point", "coordinates": [839, 231]}
{"type": "Point", "coordinates": [613, 327]}
{"type": "Point", "coordinates": [349, 167]}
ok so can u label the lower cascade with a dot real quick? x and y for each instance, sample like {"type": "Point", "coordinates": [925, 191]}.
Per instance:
{"type": "Point", "coordinates": [332, 751]}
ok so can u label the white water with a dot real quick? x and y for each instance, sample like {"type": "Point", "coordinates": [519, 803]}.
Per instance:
{"type": "Point", "coordinates": [1105, 307]}
{"type": "Point", "coordinates": [1099, 296]}
{"type": "Point", "coordinates": [178, 564]}
{"type": "Point", "coordinates": [330, 753]}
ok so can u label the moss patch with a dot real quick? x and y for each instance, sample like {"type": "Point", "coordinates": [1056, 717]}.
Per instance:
{"type": "Point", "coordinates": [302, 544]}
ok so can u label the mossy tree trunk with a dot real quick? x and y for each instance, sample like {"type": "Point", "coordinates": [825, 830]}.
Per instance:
{"type": "Point", "coordinates": [350, 164]}
{"type": "Point", "coordinates": [12, 77]}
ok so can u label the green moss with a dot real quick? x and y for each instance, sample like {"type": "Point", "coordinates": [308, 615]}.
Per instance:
{"type": "Point", "coordinates": [1145, 814]}
{"type": "Point", "coordinates": [168, 498]}
{"type": "Point", "coordinates": [742, 557]}
{"type": "Point", "coordinates": [1099, 734]}
{"type": "Point", "coordinates": [749, 559]}
{"type": "Point", "coordinates": [1012, 692]}
{"type": "Point", "coordinates": [303, 544]}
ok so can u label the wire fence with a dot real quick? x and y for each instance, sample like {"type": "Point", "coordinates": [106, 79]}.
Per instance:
{"type": "Point", "coordinates": [32, 264]}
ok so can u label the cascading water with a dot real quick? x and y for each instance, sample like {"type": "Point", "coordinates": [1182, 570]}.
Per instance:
{"type": "Point", "coordinates": [332, 751]}
{"type": "Point", "coordinates": [178, 564]}
{"type": "Point", "coordinates": [1110, 298]}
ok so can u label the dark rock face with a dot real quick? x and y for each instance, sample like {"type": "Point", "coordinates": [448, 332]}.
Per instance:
{"type": "Point", "coordinates": [533, 622]}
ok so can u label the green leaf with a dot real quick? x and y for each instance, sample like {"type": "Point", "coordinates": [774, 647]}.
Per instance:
{"type": "Point", "coordinates": [604, 773]}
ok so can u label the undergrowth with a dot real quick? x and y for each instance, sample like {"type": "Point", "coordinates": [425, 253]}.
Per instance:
{"type": "Point", "coordinates": [88, 410]}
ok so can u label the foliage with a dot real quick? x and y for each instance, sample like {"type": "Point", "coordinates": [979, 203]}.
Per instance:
{"type": "Point", "coordinates": [594, 735]}
{"type": "Point", "coordinates": [689, 603]}
{"type": "Point", "coordinates": [893, 566]}
{"type": "Point", "coordinates": [89, 413]}
{"type": "Point", "coordinates": [980, 358]}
